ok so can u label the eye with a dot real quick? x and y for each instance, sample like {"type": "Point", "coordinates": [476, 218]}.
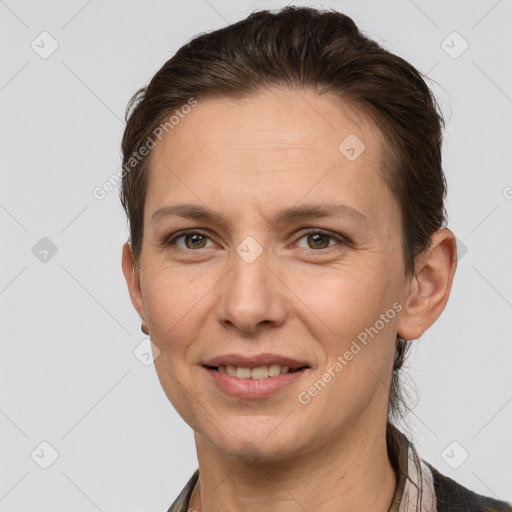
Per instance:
{"type": "Point", "coordinates": [319, 239]}
{"type": "Point", "coordinates": [192, 239]}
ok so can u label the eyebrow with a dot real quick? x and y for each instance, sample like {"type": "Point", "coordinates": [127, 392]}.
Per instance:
{"type": "Point", "coordinates": [287, 215]}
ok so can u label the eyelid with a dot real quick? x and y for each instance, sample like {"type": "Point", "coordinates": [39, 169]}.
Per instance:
{"type": "Point", "coordinates": [178, 234]}
{"type": "Point", "coordinates": [342, 240]}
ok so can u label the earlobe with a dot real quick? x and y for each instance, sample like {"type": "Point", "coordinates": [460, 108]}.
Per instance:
{"type": "Point", "coordinates": [133, 280]}
{"type": "Point", "coordinates": [430, 287]}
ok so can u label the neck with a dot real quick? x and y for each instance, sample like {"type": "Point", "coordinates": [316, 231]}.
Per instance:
{"type": "Point", "coordinates": [352, 472]}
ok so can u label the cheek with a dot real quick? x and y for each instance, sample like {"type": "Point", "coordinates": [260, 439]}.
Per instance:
{"type": "Point", "coordinates": [173, 298]}
{"type": "Point", "coordinates": [174, 303]}
{"type": "Point", "coordinates": [357, 334]}
{"type": "Point", "coordinates": [348, 301]}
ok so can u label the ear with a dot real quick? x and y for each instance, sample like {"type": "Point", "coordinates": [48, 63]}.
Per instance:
{"type": "Point", "coordinates": [430, 287]}
{"type": "Point", "coordinates": [133, 281]}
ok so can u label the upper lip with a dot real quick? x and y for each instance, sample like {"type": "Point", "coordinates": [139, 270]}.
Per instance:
{"type": "Point", "coordinates": [242, 361]}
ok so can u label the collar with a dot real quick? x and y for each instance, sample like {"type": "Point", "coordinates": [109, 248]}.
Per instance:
{"type": "Point", "coordinates": [415, 484]}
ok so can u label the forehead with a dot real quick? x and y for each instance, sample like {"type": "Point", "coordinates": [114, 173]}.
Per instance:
{"type": "Point", "coordinates": [277, 120]}
{"type": "Point", "coordinates": [277, 145]}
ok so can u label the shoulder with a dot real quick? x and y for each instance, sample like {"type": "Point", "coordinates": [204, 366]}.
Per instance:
{"type": "Point", "coordinates": [453, 497]}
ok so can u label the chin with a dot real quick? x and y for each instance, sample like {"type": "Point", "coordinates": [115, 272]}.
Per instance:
{"type": "Point", "coordinates": [256, 445]}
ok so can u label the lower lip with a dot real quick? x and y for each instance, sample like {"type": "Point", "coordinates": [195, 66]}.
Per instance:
{"type": "Point", "coordinates": [253, 388]}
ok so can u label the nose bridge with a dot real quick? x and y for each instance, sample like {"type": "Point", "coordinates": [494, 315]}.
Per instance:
{"type": "Point", "coordinates": [250, 294]}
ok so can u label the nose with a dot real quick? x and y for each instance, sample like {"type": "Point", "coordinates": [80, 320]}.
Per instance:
{"type": "Point", "coordinates": [251, 294]}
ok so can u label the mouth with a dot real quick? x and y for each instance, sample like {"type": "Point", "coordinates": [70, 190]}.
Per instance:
{"type": "Point", "coordinates": [249, 376]}
{"type": "Point", "coordinates": [256, 373]}
{"type": "Point", "coordinates": [254, 377]}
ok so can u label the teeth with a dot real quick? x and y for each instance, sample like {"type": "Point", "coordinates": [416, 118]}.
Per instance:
{"type": "Point", "coordinates": [261, 372]}
{"type": "Point", "coordinates": [243, 373]}
{"type": "Point", "coordinates": [274, 370]}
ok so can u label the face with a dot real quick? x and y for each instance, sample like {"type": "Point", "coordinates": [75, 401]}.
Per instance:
{"type": "Point", "coordinates": [268, 245]}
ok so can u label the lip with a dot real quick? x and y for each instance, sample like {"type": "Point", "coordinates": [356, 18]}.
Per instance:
{"type": "Point", "coordinates": [244, 361]}
{"type": "Point", "coordinates": [253, 388]}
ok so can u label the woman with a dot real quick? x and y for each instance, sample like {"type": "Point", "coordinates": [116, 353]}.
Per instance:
{"type": "Point", "coordinates": [284, 189]}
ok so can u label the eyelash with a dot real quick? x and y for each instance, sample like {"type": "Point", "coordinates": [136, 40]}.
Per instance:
{"type": "Point", "coordinates": [180, 234]}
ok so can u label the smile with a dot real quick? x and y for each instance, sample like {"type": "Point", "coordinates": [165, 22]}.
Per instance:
{"type": "Point", "coordinates": [260, 372]}
{"type": "Point", "coordinates": [254, 383]}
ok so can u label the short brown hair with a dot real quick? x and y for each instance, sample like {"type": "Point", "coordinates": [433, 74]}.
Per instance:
{"type": "Point", "coordinates": [305, 48]}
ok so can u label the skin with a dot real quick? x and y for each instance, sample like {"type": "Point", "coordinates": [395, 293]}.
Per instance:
{"type": "Point", "coordinates": [302, 297]}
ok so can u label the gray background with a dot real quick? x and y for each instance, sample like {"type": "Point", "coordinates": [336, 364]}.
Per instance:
{"type": "Point", "coordinates": [68, 373]}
